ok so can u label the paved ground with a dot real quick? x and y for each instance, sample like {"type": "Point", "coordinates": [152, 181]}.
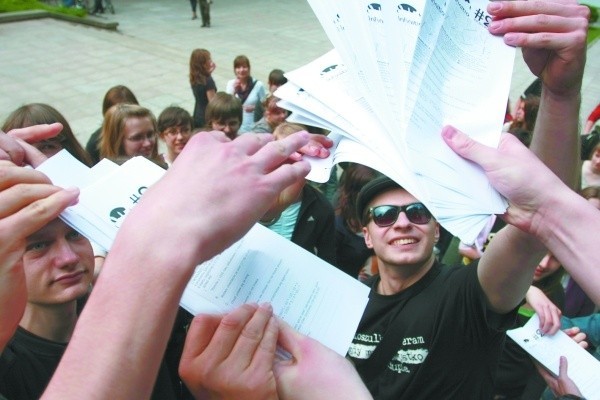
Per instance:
{"type": "Point", "coordinates": [71, 66]}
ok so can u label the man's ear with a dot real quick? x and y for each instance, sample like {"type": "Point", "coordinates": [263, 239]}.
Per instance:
{"type": "Point", "coordinates": [367, 236]}
{"type": "Point", "coordinates": [437, 232]}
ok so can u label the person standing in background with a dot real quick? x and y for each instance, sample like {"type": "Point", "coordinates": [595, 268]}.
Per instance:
{"type": "Point", "coordinates": [202, 83]}
{"type": "Point", "coordinates": [205, 12]}
{"type": "Point", "coordinates": [247, 89]}
{"type": "Point", "coordinates": [193, 4]}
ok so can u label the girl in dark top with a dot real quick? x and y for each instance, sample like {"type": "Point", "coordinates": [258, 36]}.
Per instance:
{"type": "Point", "coordinates": [203, 85]}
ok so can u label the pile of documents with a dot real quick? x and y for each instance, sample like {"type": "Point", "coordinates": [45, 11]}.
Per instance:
{"type": "Point", "coordinates": [399, 72]}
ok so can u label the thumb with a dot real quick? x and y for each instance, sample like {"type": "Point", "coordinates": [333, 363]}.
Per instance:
{"type": "Point", "coordinates": [466, 147]}
{"type": "Point", "coordinates": [289, 339]}
{"type": "Point", "coordinates": [563, 366]}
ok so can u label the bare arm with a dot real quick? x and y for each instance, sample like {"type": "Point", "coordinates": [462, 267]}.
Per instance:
{"type": "Point", "coordinates": [552, 34]}
{"type": "Point", "coordinates": [564, 222]}
{"type": "Point", "coordinates": [153, 258]}
{"type": "Point", "coordinates": [210, 94]}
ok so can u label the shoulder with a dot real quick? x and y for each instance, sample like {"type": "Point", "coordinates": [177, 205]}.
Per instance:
{"type": "Point", "coordinates": [310, 195]}
{"type": "Point", "coordinates": [259, 87]}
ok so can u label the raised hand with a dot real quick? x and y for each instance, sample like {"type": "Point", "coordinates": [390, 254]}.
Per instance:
{"type": "Point", "coordinates": [552, 35]}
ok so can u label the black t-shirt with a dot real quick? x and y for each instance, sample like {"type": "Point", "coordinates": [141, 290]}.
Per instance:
{"type": "Point", "coordinates": [450, 341]}
{"type": "Point", "coordinates": [27, 364]}
{"type": "Point", "coordinates": [29, 361]}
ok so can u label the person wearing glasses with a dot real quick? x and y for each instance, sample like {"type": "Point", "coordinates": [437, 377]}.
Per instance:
{"type": "Point", "coordinates": [129, 130]}
{"type": "Point", "coordinates": [175, 127]}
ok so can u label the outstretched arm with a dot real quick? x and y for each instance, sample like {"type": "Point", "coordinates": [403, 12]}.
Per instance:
{"type": "Point", "coordinates": [214, 193]}
{"type": "Point", "coordinates": [539, 204]}
{"type": "Point", "coordinates": [552, 34]}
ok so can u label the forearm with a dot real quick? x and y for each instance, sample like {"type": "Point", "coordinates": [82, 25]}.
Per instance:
{"type": "Point", "coordinates": [567, 226]}
{"type": "Point", "coordinates": [556, 135]}
{"type": "Point", "coordinates": [506, 268]}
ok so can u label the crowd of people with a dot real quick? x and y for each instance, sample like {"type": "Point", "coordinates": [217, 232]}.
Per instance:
{"type": "Point", "coordinates": [78, 322]}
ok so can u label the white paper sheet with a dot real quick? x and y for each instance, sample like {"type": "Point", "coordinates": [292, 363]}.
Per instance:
{"type": "Point", "coordinates": [309, 294]}
{"type": "Point", "coordinates": [583, 368]}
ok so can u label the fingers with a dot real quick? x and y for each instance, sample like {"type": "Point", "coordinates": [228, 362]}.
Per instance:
{"type": "Point", "coordinates": [38, 213]}
{"type": "Point", "coordinates": [33, 156]}
{"type": "Point", "coordinates": [540, 24]}
{"type": "Point", "coordinates": [512, 9]}
{"type": "Point", "coordinates": [468, 148]}
{"type": "Point", "coordinates": [200, 333]}
{"type": "Point", "coordinates": [260, 333]}
{"type": "Point", "coordinates": [10, 149]}
{"type": "Point", "coordinates": [563, 366]}
{"type": "Point", "coordinates": [275, 153]}
{"type": "Point", "coordinates": [228, 332]}
{"type": "Point", "coordinates": [11, 175]}
{"type": "Point", "coordinates": [317, 146]}
{"type": "Point", "coordinates": [549, 318]}
{"type": "Point", "coordinates": [28, 200]}
{"type": "Point", "coordinates": [36, 133]}
{"type": "Point", "coordinates": [18, 196]}
{"type": "Point", "coordinates": [289, 340]}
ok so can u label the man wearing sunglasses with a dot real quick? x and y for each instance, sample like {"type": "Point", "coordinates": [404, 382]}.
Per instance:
{"type": "Point", "coordinates": [435, 332]}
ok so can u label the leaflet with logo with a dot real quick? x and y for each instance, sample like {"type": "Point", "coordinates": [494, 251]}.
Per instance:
{"type": "Point", "coordinates": [583, 368]}
{"type": "Point", "coordinates": [399, 72]}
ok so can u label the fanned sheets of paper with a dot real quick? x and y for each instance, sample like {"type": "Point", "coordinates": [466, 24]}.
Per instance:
{"type": "Point", "coordinates": [399, 72]}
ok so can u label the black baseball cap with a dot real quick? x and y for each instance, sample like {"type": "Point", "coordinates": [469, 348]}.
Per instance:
{"type": "Point", "coordinates": [370, 190]}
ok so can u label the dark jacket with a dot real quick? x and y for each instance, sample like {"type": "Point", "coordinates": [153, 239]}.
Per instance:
{"type": "Point", "coordinates": [315, 226]}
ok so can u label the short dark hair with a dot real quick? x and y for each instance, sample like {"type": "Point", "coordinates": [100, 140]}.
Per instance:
{"type": "Point", "coordinates": [173, 116]}
{"type": "Point", "coordinates": [222, 107]}
{"type": "Point", "coordinates": [276, 77]}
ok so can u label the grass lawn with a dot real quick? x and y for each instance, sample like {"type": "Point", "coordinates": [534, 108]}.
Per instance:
{"type": "Point", "coordinates": [593, 33]}
{"type": "Point", "coordinates": [24, 5]}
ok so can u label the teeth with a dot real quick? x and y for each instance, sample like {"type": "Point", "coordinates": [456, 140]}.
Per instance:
{"type": "Point", "coordinates": [405, 241]}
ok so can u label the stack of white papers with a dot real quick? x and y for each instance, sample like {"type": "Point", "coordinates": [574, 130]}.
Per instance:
{"type": "Point", "coordinates": [399, 72]}
{"type": "Point", "coordinates": [312, 296]}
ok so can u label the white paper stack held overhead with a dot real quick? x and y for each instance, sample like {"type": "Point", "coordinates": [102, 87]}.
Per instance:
{"type": "Point", "coordinates": [399, 72]}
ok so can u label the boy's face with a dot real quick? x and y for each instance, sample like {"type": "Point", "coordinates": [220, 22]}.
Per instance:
{"type": "Point", "coordinates": [58, 264]}
{"type": "Point", "coordinates": [229, 126]}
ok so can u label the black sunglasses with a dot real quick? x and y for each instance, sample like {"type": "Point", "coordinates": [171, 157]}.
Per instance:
{"type": "Point", "coordinates": [384, 216]}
